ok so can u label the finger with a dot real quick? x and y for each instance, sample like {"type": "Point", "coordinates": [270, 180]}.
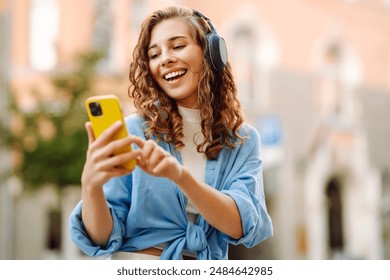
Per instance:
{"type": "Point", "coordinates": [138, 141]}
{"type": "Point", "coordinates": [157, 156]}
{"type": "Point", "coordinates": [169, 167]}
{"type": "Point", "coordinates": [147, 150]}
{"type": "Point", "coordinates": [119, 172]}
{"type": "Point", "coordinates": [112, 147]}
{"type": "Point", "coordinates": [164, 164]}
{"type": "Point", "coordinates": [117, 161]}
{"type": "Point", "coordinates": [91, 135]}
{"type": "Point", "coordinates": [109, 133]}
{"type": "Point", "coordinates": [114, 172]}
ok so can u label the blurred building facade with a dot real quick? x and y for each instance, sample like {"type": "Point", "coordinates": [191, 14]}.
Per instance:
{"type": "Point", "coordinates": [313, 78]}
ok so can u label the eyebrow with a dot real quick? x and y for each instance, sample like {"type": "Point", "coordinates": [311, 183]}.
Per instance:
{"type": "Point", "coordinates": [169, 40]}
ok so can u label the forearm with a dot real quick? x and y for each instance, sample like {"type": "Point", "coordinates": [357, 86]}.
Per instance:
{"type": "Point", "coordinates": [218, 209]}
{"type": "Point", "coordinates": [96, 216]}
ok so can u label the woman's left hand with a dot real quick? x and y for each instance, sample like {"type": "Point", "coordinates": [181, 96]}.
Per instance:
{"type": "Point", "coordinates": [156, 161]}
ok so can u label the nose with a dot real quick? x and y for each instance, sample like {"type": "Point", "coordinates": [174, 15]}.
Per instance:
{"type": "Point", "coordinates": [167, 58]}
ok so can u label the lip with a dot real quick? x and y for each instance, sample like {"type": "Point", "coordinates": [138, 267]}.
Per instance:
{"type": "Point", "coordinates": [177, 80]}
{"type": "Point", "coordinates": [163, 74]}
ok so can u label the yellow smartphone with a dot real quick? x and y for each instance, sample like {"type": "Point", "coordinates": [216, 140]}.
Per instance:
{"type": "Point", "coordinates": [103, 111]}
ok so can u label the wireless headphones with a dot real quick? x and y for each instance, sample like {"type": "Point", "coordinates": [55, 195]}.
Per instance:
{"type": "Point", "coordinates": [216, 46]}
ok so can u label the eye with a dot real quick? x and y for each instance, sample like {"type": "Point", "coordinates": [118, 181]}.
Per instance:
{"type": "Point", "coordinates": [153, 56]}
{"type": "Point", "coordinates": [178, 47]}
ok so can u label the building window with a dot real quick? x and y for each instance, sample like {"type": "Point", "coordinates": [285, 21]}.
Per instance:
{"type": "Point", "coordinates": [138, 12]}
{"type": "Point", "coordinates": [340, 75]}
{"type": "Point", "coordinates": [44, 21]}
{"type": "Point", "coordinates": [244, 64]}
{"type": "Point", "coordinates": [332, 59]}
{"type": "Point", "coordinates": [102, 32]}
{"type": "Point", "coordinates": [254, 54]}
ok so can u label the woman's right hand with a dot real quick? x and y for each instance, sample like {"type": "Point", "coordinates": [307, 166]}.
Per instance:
{"type": "Point", "coordinates": [101, 163]}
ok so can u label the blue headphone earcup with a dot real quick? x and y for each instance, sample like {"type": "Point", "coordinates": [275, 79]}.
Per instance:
{"type": "Point", "coordinates": [217, 51]}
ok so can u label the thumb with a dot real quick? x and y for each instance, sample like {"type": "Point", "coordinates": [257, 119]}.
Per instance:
{"type": "Point", "coordinates": [91, 135]}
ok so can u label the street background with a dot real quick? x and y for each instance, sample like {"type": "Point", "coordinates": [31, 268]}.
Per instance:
{"type": "Point", "coordinates": [313, 78]}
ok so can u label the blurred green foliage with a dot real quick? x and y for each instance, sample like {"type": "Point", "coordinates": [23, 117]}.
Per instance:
{"type": "Point", "coordinates": [53, 142]}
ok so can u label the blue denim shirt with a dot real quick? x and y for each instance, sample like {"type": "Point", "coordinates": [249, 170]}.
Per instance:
{"type": "Point", "coordinates": [148, 211]}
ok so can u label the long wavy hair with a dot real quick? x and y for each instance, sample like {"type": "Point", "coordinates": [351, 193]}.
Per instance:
{"type": "Point", "coordinates": [220, 110]}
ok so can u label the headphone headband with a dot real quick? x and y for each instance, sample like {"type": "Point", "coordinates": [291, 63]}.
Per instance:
{"type": "Point", "coordinates": [216, 46]}
{"type": "Point", "coordinates": [202, 16]}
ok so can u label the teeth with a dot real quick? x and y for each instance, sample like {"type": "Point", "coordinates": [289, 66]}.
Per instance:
{"type": "Point", "coordinates": [174, 74]}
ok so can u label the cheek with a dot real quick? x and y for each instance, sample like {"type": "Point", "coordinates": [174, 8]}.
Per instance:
{"type": "Point", "coordinates": [197, 61]}
{"type": "Point", "coordinates": [154, 74]}
{"type": "Point", "coordinates": [153, 70]}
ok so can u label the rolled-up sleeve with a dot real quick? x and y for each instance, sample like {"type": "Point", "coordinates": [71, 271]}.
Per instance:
{"type": "Point", "coordinates": [246, 188]}
{"type": "Point", "coordinates": [256, 223]}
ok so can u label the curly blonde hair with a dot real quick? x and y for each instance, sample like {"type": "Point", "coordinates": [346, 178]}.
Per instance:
{"type": "Point", "coordinates": [219, 106]}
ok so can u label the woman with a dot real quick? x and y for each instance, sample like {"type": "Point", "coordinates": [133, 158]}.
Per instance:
{"type": "Point", "coordinates": [198, 183]}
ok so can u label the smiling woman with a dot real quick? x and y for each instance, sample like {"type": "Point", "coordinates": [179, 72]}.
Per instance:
{"type": "Point", "coordinates": [175, 61]}
{"type": "Point", "coordinates": [198, 183]}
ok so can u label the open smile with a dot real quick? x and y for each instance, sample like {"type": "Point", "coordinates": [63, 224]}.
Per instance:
{"type": "Point", "coordinates": [173, 76]}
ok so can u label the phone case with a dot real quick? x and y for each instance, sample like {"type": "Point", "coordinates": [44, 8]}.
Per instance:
{"type": "Point", "coordinates": [103, 111]}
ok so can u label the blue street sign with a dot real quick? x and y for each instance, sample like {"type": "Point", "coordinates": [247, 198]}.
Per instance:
{"type": "Point", "coordinates": [271, 130]}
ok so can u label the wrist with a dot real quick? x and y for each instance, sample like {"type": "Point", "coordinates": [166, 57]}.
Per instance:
{"type": "Point", "coordinates": [182, 174]}
{"type": "Point", "coordinates": [91, 191]}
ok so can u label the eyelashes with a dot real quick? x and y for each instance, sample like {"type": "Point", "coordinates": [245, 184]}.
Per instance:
{"type": "Point", "coordinates": [156, 54]}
